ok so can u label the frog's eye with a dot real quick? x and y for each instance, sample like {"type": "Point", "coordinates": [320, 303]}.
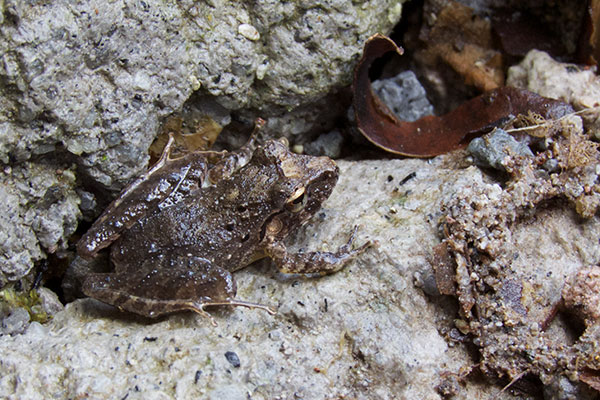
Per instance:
{"type": "Point", "coordinates": [297, 201]}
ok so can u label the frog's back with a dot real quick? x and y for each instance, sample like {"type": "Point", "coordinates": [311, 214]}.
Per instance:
{"type": "Point", "coordinates": [221, 223]}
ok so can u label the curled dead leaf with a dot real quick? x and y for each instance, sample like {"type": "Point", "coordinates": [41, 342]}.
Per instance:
{"type": "Point", "coordinates": [589, 40]}
{"type": "Point", "coordinates": [199, 133]}
{"type": "Point", "coordinates": [431, 135]}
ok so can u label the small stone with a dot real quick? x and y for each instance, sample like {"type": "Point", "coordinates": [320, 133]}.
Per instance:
{"type": "Point", "coordinates": [404, 95]}
{"type": "Point", "coordinates": [490, 150]}
{"type": "Point", "coordinates": [49, 301]}
{"type": "Point", "coordinates": [88, 200]}
{"type": "Point", "coordinates": [249, 32]}
{"type": "Point", "coordinates": [329, 144]}
{"type": "Point", "coordinates": [261, 70]}
{"type": "Point", "coordinates": [16, 322]}
{"type": "Point", "coordinates": [43, 149]}
{"type": "Point", "coordinates": [551, 165]}
{"type": "Point", "coordinates": [195, 82]}
{"type": "Point", "coordinates": [35, 328]}
{"type": "Point", "coordinates": [141, 81]}
{"type": "Point", "coordinates": [233, 359]}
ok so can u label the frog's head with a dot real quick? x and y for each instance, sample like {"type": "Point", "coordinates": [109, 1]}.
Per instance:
{"type": "Point", "coordinates": [304, 183]}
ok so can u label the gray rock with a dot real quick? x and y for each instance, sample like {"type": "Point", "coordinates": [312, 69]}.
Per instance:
{"type": "Point", "coordinates": [551, 165]}
{"type": "Point", "coordinates": [49, 302]}
{"type": "Point", "coordinates": [490, 150]}
{"type": "Point", "coordinates": [98, 77]}
{"type": "Point", "coordinates": [328, 144]}
{"type": "Point", "coordinates": [404, 95]}
{"type": "Point", "coordinates": [15, 322]}
{"type": "Point", "coordinates": [20, 248]}
{"type": "Point", "coordinates": [39, 210]}
{"type": "Point", "coordinates": [19, 308]}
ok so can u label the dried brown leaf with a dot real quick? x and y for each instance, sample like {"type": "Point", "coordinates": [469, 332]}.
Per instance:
{"type": "Point", "coordinates": [205, 131]}
{"type": "Point", "coordinates": [430, 135]}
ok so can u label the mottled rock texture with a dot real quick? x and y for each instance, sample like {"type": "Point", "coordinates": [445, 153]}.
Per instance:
{"type": "Point", "coordinates": [39, 210]}
{"type": "Point", "coordinates": [515, 243]}
{"type": "Point", "coordinates": [84, 87]}
{"type": "Point", "coordinates": [97, 77]}
{"type": "Point", "coordinates": [367, 332]}
{"type": "Point", "coordinates": [404, 95]}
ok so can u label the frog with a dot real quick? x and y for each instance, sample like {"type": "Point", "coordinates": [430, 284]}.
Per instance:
{"type": "Point", "coordinates": [177, 233]}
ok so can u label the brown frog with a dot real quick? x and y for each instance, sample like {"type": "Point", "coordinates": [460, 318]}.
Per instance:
{"type": "Point", "coordinates": [176, 237]}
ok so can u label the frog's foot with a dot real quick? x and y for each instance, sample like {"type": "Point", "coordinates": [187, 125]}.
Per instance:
{"type": "Point", "coordinates": [198, 307]}
{"type": "Point", "coordinates": [322, 262]}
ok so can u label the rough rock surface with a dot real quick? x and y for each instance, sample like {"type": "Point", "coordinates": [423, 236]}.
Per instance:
{"type": "Point", "coordinates": [97, 76]}
{"type": "Point", "coordinates": [376, 330]}
{"type": "Point", "coordinates": [404, 95]}
{"type": "Point", "coordinates": [39, 210]}
{"type": "Point", "coordinates": [18, 309]}
{"type": "Point", "coordinates": [514, 243]}
{"type": "Point", "coordinates": [491, 150]}
{"type": "Point", "coordinates": [366, 332]}
{"type": "Point", "coordinates": [328, 144]}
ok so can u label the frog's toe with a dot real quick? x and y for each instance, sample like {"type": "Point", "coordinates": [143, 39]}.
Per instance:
{"type": "Point", "coordinates": [199, 306]}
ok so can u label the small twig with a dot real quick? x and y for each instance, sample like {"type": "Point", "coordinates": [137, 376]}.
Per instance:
{"type": "Point", "coordinates": [552, 121]}
{"type": "Point", "coordinates": [515, 379]}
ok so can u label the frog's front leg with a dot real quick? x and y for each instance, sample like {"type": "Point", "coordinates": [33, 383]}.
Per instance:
{"type": "Point", "coordinates": [162, 286]}
{"type": "Point", "coordinates": [322, 262]}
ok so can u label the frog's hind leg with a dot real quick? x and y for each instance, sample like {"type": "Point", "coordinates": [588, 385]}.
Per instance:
{"type": "Point", "coordinates": [163, 286]}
